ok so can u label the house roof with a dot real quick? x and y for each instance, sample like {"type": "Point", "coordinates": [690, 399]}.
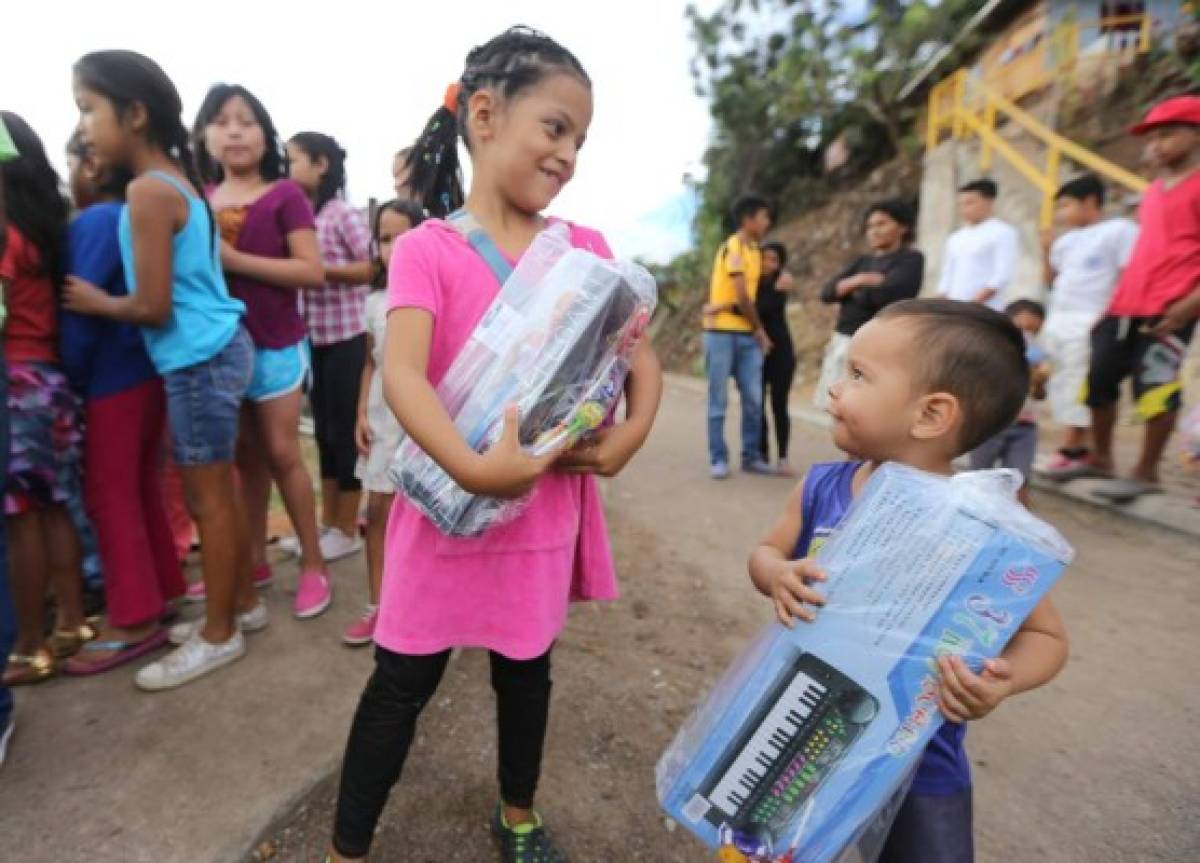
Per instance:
{"type": "Point", "coordinates": [992, 15]}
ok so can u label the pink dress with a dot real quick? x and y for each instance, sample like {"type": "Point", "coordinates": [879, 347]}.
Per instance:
{"type": "Point", "coordinates": [507, 590]}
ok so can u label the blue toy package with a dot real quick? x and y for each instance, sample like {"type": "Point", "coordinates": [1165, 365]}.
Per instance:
{"type": "Point", "coordinates": [805, 748]}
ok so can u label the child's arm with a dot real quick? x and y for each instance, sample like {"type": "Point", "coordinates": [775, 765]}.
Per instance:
{"type": "Point", "coordinates": [362, 424]}
{"type": "Point", "coordinates": [156, 211]}
{"type": "Point", "coordinates": [1048, 272]}
{"type": "Point", "coordinates": [786, 581]}
{"type": "Point", "coordinates": [611, 448]}
{"type": "Point", "coordinates": [1034, 656]}
{"type": "Point", "coordinates": [1178, 315]}
{"type": "Point", "coordinates": [505, 470]}
{"type": "Point", "coordinates": [301, 269]}
{"type": "Point", "coordinates": [354, 273]}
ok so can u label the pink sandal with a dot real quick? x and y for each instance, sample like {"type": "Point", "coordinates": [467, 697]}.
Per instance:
{"type": "Point", "coordinates": [126, 651]}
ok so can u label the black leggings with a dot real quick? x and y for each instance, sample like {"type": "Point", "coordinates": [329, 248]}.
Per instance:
{"type": "Point", "coordinates": [386, 719]}
{"type": "Point", "coordinates": [779, 370]}
{"type": "Point", "coordinates": [337, 376]}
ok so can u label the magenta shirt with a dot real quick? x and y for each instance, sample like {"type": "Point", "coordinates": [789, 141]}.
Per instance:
{"type": "Point", "coordinates": [272, 313]}
{"type": "Point", "coordinates": [507, 590]}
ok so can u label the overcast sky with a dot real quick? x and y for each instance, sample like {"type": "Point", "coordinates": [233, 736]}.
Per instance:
{"type": "Point", "coordinates": [370, 74]}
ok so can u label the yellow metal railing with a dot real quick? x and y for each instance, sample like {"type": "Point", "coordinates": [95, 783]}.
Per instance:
{"type": "Point", "coordinates": [966, 104]}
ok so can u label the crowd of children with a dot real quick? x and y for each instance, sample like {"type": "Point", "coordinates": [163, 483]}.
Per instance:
{"type": "Point", "coordinates": [162, 330]}
{"type": "Point", "coordinates": [208, 273]}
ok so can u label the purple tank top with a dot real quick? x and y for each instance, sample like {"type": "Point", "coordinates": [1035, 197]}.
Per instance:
{"type": "Point", "coordinates": [828, 492]}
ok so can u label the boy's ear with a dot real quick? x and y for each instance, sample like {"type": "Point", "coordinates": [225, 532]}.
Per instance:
{"type": "Point", "coordinates": [322, 164]}
{"type": "Point", "coordinates": [939, 415]}
{"type": "Point", "coordinates": [481, 115]}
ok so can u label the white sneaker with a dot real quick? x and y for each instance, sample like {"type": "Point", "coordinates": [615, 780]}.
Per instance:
{"type": "Point", "coordinates": [194, 658]}
{"type": "Point", "coordinates": [291, 544]}
{"type": "Point", "coordinates": [336, 545]}
{"type": "Point", "coordinates": [6, 735]}
{"type": "Point", "coordinates": [248, 621]}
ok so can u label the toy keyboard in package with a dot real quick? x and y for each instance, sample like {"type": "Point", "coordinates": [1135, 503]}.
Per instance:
{"type": "Point", "coordinates": [556, 342]}
{"type": "Point", "coordinates": [803, 750]}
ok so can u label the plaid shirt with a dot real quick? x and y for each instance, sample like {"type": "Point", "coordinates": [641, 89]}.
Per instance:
{"type": "Point", "coordinates": [336, 312]}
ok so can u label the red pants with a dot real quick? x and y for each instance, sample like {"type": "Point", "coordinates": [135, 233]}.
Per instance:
{"type": "Point", "coordinates": [123, 452]}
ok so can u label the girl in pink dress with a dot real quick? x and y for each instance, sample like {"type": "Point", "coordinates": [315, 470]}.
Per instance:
{"type": "Point", "coordinates": [522, 106]}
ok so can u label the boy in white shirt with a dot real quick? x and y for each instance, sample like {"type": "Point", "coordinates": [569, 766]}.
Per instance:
{"type": "Point", "coordinates": [980, 257]}
{"type": "Point", "coordinates": [1082, 268]}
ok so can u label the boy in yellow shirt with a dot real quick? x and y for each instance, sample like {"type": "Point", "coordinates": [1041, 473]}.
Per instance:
{"type": "Point", "coordinates": [734, 339]}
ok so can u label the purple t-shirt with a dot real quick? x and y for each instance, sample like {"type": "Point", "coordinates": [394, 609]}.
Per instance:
{"type": "Point", "coordinates": [272, 313]}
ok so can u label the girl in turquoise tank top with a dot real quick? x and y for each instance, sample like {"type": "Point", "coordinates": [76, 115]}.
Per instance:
{"type": "Point", "coordinates": [130, 117]}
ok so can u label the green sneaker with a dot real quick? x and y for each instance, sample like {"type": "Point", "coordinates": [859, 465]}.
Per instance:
{"type": "Point", "coordinates": [525, 843]}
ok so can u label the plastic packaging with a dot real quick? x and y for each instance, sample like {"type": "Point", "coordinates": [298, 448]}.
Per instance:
{"type": "Point", "coordinates": [804, 749]}
{"type": "Point", "coordinates": [1190, 426]}
{"type": "Point", "coordinates": [557, 342]}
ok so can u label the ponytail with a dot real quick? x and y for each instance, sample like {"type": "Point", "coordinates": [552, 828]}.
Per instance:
{"type": "Point", "coordinates": [435, 176]}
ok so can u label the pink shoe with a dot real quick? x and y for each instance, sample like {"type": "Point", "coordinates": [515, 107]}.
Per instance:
{"type": "Point", "coordinates": [262, 578]}
{"type": "Point", "coordinates": [362, 631]}
{"type": "Point", "coordinates": [313, 594]}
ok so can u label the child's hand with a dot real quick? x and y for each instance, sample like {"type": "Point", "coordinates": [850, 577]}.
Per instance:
{"type": "Point", "coordinates": [80, 295]}
{"type": "Point", "coordinates": [506, 470]}
{"type": "Point", "coordinates": [1046, 237]}
{"type": "Point", "coordinates": [965, 695]}
{"type": "Point", "coordinates": [363, 436]}
{"type": "Point", "coordinates": [791, 593]}
{"type": "Point", "coordinates": [605, 452]}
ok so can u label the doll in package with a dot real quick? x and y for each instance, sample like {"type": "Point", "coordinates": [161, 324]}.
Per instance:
{"type": "Point", "coordinates": [556, 342]}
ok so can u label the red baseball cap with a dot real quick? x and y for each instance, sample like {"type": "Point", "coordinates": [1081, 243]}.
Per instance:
{"type": "Point", "coordinates": [1181, 109]}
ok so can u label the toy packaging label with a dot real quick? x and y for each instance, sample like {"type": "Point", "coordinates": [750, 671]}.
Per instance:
{"type": "Point", "coordinates": [557, 342]}
{"type": "Point", "coordinates": [815, 731]}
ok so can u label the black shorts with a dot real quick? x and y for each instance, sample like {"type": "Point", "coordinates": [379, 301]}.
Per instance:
{"type": "Point", "coordinates": [1123, 348]}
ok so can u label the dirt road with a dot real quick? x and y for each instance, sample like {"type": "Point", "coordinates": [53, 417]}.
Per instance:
{"type": "Point", "coordinates": [1104, 765]}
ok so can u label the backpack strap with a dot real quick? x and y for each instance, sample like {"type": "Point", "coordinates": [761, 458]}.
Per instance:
{"type": "Point", "coordinates": [478, 239]}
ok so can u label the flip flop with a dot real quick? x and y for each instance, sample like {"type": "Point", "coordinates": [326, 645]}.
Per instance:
{"type": "Point", "coordinates": [126, 651]}
{"type": "Point", "coordinates": [1124, 490]}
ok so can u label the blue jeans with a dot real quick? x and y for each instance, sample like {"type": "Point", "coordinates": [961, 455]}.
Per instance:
{"type": "Point", "coordinates": [737, 355]}
{"type": "Point", "coordinates": [8, 619]}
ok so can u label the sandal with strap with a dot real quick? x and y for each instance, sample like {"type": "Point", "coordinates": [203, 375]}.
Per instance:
{"type": "Point", "coordinates": [67, 642]}
{"type": "Point", "coordinates": [122, 652]}
{"type": "Point", "coordinates": [25, 669]}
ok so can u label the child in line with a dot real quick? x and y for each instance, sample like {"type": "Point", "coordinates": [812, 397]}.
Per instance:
{"type": "Point", "coordinates": [125, 409]}
{"type": "Point", "coordinates": [376, 431]}
{"type": "Point", "coordinates": [1016, 446]}
{"type": "Point", "coordinates": [44, 415]}
{"type": "Point", "coordinates": [8, 622]}
{"type": "Point", "coordinates": [129, 113]}
{"type": "Point", "coordinates": [522, 105]}
{"type": "Point", "coordinates": [336, 317]}
{"type": "Point", "coordinates": [1082, 268]}
{"type": "Point", "coordinates": [1145, 331]}
{"type": "Point", "coordinates": [926, 381]}
{"type": "Point", "coordinates": [269, 252]}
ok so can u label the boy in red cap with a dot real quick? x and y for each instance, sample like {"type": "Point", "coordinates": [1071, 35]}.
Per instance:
{"type": "Point", "coordinates": [1145, 332]}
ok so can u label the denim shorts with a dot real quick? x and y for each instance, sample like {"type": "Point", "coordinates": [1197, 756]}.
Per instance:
{"type": "Point", "coordinates": [204, 400]}
{"type": "Point", "coordinates": [278, 371]}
